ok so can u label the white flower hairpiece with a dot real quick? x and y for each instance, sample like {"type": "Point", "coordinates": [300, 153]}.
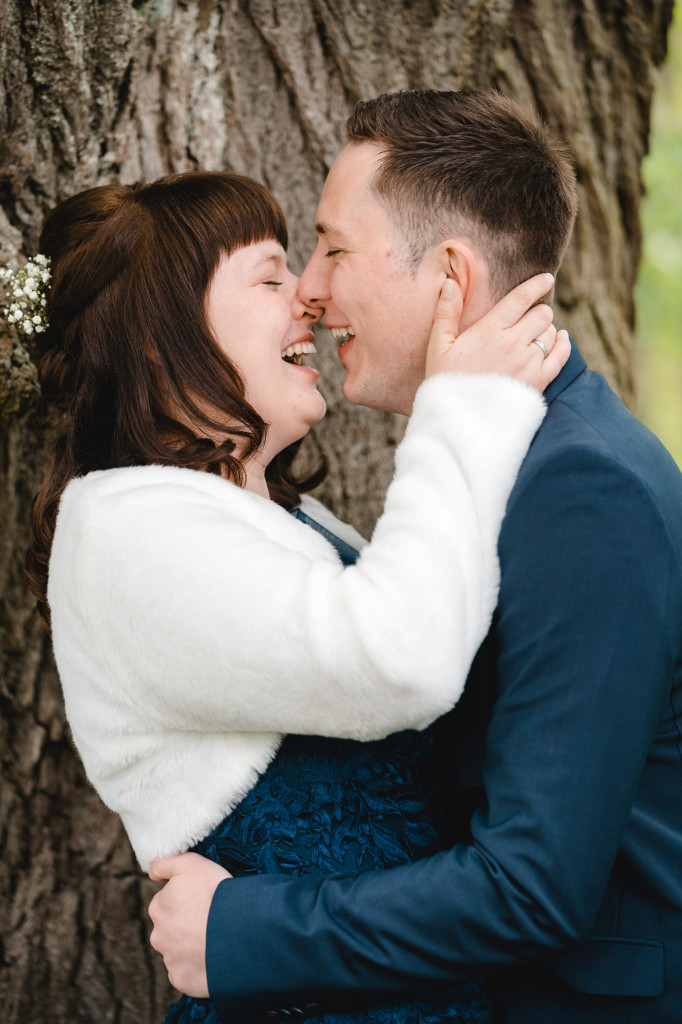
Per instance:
{"type": "Point", "coordinates": [27, 302]}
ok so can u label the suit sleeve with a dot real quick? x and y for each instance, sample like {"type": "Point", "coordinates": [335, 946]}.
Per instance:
{"type": "Point", "coordinates": [223, 626]}
{"type": "Point", "coordinates": [587, 628]}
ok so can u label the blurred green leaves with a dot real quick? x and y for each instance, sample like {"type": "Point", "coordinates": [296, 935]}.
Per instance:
{"type": "Point", "coordinates": [659, 287]}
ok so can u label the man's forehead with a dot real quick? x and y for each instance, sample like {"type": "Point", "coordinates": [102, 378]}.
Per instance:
{"type": "Point", "coordinates": [362, 157]}
{"type": "Point", "coordinates": [347, 194]}
{"type": "Point", "coordinates": [351, 173]}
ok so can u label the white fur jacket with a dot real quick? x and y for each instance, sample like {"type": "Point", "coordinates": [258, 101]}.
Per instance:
{"type": "Point", "coordinates": [195, 622]}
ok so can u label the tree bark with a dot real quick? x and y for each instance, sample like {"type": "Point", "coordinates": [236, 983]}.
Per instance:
{"type": "Point", "coordinates": [97, 91]}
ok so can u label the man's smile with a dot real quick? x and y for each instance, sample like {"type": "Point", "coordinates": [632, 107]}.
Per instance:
{"type": "Point", "coordinates": [342, 332]}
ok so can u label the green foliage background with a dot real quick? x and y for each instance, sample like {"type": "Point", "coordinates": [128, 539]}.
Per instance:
{"type": "Point", "coordinates": [659, 287]}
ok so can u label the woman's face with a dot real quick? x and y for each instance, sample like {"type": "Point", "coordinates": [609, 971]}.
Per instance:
{"type": "Point", "coordinates": [253, 311]}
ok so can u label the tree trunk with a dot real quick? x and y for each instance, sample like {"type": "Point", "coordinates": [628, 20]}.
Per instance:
{"type": "Point", "coordinates": [118, 90]}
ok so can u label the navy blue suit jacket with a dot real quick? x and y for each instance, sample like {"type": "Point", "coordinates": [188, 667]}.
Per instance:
{"type": "Point", "coordinates": [566, 885]}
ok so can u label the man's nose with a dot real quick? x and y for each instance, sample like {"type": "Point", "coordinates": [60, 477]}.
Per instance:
{"type": "Point", "coordinates": [300, 310]}
{"type": "Point", "coordinates": [313, 288]}
{"type": "Point", "coordinates": [310, 313]}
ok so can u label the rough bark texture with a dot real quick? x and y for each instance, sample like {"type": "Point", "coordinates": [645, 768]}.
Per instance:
{"type": "Point", "coordinates": [96, 90]}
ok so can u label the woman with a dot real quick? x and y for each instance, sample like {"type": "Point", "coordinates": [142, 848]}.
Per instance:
{"type": "Point", "coordinates": [194, 619]}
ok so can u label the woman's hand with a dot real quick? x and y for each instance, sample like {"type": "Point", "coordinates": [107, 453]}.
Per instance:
{"type": "Point", "coordinates": [510, 339]}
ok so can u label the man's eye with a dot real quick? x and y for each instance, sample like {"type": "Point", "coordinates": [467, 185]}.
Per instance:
{"type": "Point", "coordinates": [332, 252]}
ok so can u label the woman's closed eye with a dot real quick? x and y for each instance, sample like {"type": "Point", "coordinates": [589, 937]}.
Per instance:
{"type": "Point", "coordinates": [275, 283]}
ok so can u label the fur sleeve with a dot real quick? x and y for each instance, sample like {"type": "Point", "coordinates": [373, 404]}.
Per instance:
{"type": "Point", "coordinates": [208, 618]}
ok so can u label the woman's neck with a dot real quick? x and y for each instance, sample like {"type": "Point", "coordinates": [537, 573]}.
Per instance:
{"type": "Point", "coordinates": [256, 482]}
{"type": "Point", "coordinates": [254, 477]}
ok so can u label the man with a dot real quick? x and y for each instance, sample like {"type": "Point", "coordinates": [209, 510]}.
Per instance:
{"type": "Point", "coordinates": [566, 886]}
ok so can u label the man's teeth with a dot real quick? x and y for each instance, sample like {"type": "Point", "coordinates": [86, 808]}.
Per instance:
{"type": "Point", "coordinates": [343, 332]}
{"type": "Point", "coordinates": [299, 348]}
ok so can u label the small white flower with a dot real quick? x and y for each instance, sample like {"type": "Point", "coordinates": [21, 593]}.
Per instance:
{"type": "Point", "coordinates": [23, 289]}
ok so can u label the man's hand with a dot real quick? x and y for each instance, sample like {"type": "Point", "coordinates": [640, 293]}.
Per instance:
{"type": "Point", "coordinates": [179, 913]}
{"type": "Point", "coordinates": [512, 338]}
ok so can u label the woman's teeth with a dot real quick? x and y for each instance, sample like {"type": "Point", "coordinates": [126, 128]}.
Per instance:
{"type": "Point", "coordinates": [295, 352]}
{"type": "Point", "coordinates": [342, 332]}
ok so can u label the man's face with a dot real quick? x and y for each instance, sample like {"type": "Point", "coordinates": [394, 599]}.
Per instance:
{"type": "Point", "coordinates": [357, 273]}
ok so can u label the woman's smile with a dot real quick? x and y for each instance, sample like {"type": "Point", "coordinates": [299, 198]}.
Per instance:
{"type": "Point", "coordinates": [264, 329]}
{"type": "Point", "coordinates": [295, 350]}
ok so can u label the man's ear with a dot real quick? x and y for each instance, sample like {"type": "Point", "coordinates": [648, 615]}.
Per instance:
{"type": "Point", "coordinates": [458, 261]}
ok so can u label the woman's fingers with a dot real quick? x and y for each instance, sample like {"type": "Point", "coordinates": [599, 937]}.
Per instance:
{"type": "Point", "coordinates": [509, 310]}
{"type": "Point", "coordinates": [557, 357]}
{"type": "Point", "coordinates": [515, 338]}
{"type": "Point", "coordinates": [545, 341]}
{"type": "Point", "coordinates": [541, 368]}
{"type": "Point", "coordinates": [532, 325]}
{"type": "Point", "coordinates": [445, 326]}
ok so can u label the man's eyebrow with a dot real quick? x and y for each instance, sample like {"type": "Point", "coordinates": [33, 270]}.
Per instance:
{"type": "Point", "coordinates": [325, 229]}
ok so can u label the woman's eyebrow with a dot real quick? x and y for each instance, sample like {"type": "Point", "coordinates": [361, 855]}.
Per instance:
{"type": "Point", "coordinates": [270, 257]}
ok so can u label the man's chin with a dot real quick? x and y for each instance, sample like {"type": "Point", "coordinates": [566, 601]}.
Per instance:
{"type": "Point", "coordinates": [375, 398]}
{"type": "Point", "coordinates": [350, 390]}
{"type": "Point", "coordinates": [356, 394]}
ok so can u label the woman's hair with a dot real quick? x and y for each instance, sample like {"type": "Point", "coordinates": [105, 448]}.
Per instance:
{"type": "Point", "coordinates": [128, 338]}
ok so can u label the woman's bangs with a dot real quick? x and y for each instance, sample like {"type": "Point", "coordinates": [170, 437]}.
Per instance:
{"type": "Point", "coordinates": [246, 213]}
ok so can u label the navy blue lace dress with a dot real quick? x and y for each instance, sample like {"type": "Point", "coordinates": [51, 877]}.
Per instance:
{"type": "Point", "coordinates": [327, 805]}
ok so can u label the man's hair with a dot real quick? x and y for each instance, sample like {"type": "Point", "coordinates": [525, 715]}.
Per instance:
{"type": "Point", "coordinates": [474, 165]}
